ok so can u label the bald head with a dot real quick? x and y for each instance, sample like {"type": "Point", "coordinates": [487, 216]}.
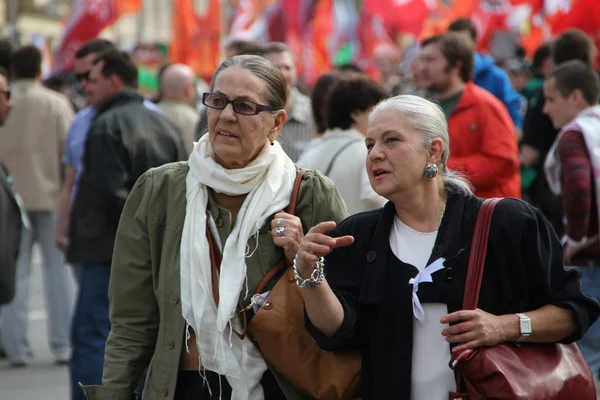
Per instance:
{"type": "Point", "coordinates": [177, 83]}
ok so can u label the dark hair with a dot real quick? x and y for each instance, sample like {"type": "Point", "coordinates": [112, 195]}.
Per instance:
{"type": "Point", "coordinates": [572, 44]}
{"type": "Point", "coordinates": [6, 49]}
{"type": "Point", "coordinates": [241, 47]}
{"type": "Point", "coordinates": [118, 63]}
{"type": "Point", "coordinates": [275, 48]}
{"type": "Point", "coordinates": [94, 46]}
{"type": "Point", "coordinates": [263, 69]}
{"type": "Point", "coordinates": [4, 72]}
{"type": "Point", "coordinates": [320, 98]}
{"type": "Point", "coordinates": [54, 82]}
{"type": "Point", "coordinates": [463, 24]}
{"type": "Point", "coordinates": [27, 62]}
{"type": "Point", "coordinates": [455, 51]}
{"type": "Point", "coordinates": [541, 54]}
{"type": "Point", "coordinates": [349, 67]}
{"type": "Point", "coordinates": [576, 75]}
{"type": "Point", "coordinates": [352, 92]}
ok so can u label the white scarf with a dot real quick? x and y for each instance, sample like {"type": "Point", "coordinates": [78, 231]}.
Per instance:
{"type": "Point", "coordinates": [268, 181]}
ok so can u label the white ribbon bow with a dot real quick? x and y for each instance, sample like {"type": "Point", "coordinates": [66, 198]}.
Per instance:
{"type": "Point", "coordinates": [423, 276]}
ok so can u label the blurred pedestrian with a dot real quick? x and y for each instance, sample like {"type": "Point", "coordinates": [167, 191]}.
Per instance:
{"type": "Point", "coordinates": [31, 146]}
{"type": "Point", "coordinates": [538, 131]}
{"type": "Point", "coordinates": [125, 139]}
{"type": "Point", "coordinates": [178, 99]}
{"type": "Point", "coordinates": [483, 144]}
{"type": "Point", "coordinates": [489, 76]}
{"type": "Point", "coordinates": [387, 58]}
{"type": "Point", "coordinates": [573, 170]}
{"type": "Point", "coordinates": [10, 212]}
{"type": "Point", "coordinates": [341, 154]}
{"type": "Point", "coordinates": [299, 128]}
{"type": "Point", "coordinates": [73, 152]}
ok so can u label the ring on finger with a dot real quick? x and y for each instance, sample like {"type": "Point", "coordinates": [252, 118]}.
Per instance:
{"type": "Point", "coordinates": [279, 222]}
{"type": "Point", "coordinates": [280, 231]}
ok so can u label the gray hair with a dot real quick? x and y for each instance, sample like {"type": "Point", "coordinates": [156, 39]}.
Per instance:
{"type": "Point", "coordinates": [429, 120]}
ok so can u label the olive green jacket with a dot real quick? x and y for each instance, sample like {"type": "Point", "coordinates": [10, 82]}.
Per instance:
{"type": "Point", "coordinates": [145, 308]}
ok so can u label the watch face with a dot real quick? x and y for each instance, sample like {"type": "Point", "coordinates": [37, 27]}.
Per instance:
{"type": "Point", "coordinates": [525, 326]}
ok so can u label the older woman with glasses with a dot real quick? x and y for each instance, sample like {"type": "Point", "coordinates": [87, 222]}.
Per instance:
{"type": "Point", "coordinates": [234, 186]}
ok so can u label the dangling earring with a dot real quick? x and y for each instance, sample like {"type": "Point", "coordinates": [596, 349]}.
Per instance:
{"type": "Point", "coordinates": [273, 143]}
{"type": "Point", "coordinates": [431, 171]}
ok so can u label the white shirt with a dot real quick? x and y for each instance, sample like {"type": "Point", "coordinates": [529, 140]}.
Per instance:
{"type": "Point", "coordinates": [348, 171]}
{"type": "Point", "coordinates": [432, 378]}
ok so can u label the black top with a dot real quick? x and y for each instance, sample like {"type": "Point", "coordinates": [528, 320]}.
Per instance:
{"type": "Point", "coordinates": [124, 141]}
{"type": "Point", "coordinates": [524, 270]}
{"type": "Point", "coordinates": [10, 237]}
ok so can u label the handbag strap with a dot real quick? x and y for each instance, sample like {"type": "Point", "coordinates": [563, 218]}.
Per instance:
{"type": "Point", "coordinates": [216, 257]}
{"type": "Point", "coordinates": [284, 263]}
{"type": "Point", "coordinates": [478, 252]}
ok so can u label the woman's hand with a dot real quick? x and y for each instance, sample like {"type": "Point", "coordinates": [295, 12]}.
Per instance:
{"type": "Point", "coordinates": [476, 328]}
{"type": "Point", "coordinates": [290, 233]}
{"type": "Point", "coordinates": [316, 245]}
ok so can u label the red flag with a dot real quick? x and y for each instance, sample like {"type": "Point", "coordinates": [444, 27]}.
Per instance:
{"type": "Point", "coordinates": [196, 40]}
{"type": "Point", "coordinates": [87, 19]}
{"type": "Point", "coordinates": [401, 16]}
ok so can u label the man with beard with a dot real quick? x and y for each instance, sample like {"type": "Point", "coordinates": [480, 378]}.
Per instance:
{"type": "Point", "coordinates": [483, 143]}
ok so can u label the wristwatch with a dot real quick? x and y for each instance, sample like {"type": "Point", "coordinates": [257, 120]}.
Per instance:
{"type": "Point", "coordinates": [525, 326]}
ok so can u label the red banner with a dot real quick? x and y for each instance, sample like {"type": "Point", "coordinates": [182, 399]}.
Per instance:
{"type": "Point", "coordinates": [87, 19]}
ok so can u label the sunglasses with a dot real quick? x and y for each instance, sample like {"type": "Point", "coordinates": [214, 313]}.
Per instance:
{"type": "Point", "coordinates": [6, 93]}
{"type": "Point", "coordinates": [243, 107]}
{"type": "Point", "coordinates": [81, 76]}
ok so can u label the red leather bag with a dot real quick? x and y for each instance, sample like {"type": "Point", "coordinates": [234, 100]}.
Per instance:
{"type": "Point", "coordinates": [515, 370]}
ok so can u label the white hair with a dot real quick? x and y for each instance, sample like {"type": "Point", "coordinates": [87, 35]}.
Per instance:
{"type": "Point", "coordinates": [429, 120]}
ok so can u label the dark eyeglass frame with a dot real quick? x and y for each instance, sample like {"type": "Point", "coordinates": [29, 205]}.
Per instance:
{"type": "Point", "coordinates": [259, 107]}
{"type": "Point", "coordinates": [7, 93]}
{"type": "Point", "coordinates": [82, 76]}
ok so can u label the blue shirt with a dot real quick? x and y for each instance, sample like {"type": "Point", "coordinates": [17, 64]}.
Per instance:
{"type": "Point", "coordinates": [75, 143]}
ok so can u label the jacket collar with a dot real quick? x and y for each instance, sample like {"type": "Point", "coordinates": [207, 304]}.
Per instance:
{"type": "Point", "coordinates": [447, 245]}
{"type": "Point", "coordinates": [121, 98]}
{"type": "Point", "coordinates": [468, 98]}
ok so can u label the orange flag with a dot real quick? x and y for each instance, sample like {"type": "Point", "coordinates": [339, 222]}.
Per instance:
{"type": "Point", "coordinates": [121, 7]}
{"type": "Point", "coordinates": [196, 39]}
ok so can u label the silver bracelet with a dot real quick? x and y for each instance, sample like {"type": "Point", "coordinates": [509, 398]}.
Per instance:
{"type": "Point", "coordinates": [316, 277]}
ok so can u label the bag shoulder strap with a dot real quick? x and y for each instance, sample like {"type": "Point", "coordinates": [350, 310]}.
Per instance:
{"type": "Point", "coordinates": [336, 155]}
{"type": "Point", "coordinates": [291, 210]}
{"type": "Point", "coordinates": [478, 252]}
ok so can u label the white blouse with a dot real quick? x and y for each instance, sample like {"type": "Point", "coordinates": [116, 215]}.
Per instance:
{"type": "Point", "coordinates": [432, 378]}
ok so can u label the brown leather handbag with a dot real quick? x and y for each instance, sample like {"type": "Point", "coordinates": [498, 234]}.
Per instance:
{"type": "Point", "coordinates": [278, 330]}
{"type": "Point", "coordinates": [519, 370]}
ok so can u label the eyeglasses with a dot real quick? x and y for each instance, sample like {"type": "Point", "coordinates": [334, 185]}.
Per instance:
{"type": "Point", "coordinates": [6, 93]}
{"type": "Point", "coordinates": [82, 76]}
{"type": "Point", "coordinates": [244, 107]}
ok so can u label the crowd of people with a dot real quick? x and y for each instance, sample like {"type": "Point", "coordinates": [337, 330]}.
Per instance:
{"type": "Point", "coordinates": [140, 198]}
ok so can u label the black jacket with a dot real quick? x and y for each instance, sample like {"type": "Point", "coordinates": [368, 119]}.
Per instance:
{"type": "Point", "coordinates": [10, 237]}
{"type": "Point", "coordinates": [524, 270]}
{"type": "Point", "coordinates": [125, 140]}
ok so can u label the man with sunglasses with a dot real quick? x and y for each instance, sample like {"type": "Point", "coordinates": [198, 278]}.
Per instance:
{"type": "Point", "coordinates": [84, 58]}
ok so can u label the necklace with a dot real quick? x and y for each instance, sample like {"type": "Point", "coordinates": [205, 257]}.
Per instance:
{"type": "Point", "coordinates": [437, 228]}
